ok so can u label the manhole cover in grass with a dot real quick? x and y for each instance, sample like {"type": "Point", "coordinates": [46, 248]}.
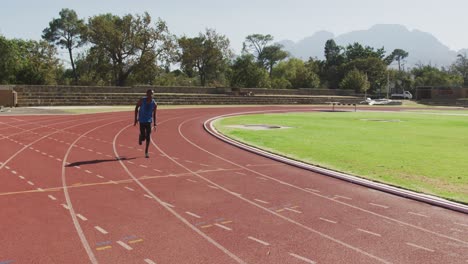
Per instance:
{"type": "Point", "coordinates": [382, 120]}
{"type": "Point", "coordinates": [259, 127]}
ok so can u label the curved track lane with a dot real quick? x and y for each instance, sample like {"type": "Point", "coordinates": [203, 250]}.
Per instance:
{"type": "Point", "coordinates": [77, 189]}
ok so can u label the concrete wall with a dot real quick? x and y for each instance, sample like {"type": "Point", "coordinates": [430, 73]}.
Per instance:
{"type": "Point", "coordinates": [8, 97]}
{"type": "Point", "coordinates": [179, 90]}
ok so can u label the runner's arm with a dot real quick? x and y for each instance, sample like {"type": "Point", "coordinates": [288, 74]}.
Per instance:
{"type": "Point", "coordinates": [136, 112]}
{"type": "Point", "coordinates": [154, 115]}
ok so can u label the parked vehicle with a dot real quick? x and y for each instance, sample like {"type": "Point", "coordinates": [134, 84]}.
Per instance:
{"type": "Point", "coordinates": [404, 95]}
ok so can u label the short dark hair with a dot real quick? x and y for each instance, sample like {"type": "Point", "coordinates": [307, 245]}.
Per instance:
{"type": "Point", "coordinates": [149, 91]}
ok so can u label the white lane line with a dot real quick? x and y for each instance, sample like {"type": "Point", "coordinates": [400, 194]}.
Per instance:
{"type": "Point", "coordinates": [78, 167]}
{"type": "Point", "coordinates": [14, 172]}
{"type": "Point", "coordinates": [261, 201]}
{"type": "Point", "coordinates": [40, 189]}
{"type": "Point", "coordinates": [240, 173]}
{"type": "Point", "coordinates": [100, 229]}
{"type": "Point", "coordinates": [327, 220]}
{"type": "Point", "coordinates": [58, 159]}
{"type": "Point", "coordinates": [192, 214]}
{"type": "Point", "coordinates": [413, 213]}
{"type": "Point", "coordinates": [149, 261]}
{"type": "Point", "coordinates": [236, 194]}
{"type": "Point", "coordinates": [87, 171]}
{"type": "Point", "coordinates": [130, 189]}
{"type": "Point", "coordinates": [143, 166]}
{"type": "Point", "coordinates": [131, 162]}
{"type": "Point", "coordinates": [302, 258]}
{"type": "Point", "coordinates": [263, 179]}
{"type": "Point", "coordinates": [258, 241]}
{"type": "Point", "coordinates": [99, 176]}
{"type": "Point", "coordinates": [65, 206]}
{"type": "Point", "coordinates": [99, 153]}
{"type": "Point", "coordinates": [292, 210]}
{"type": "Point", "coordinates": [51, 156]}
{"type": "Point", "coordinates": [43, 153]}
{"type": "Point", "coordinates": [147, 196]}
{"type": "Point", "coordinates": [168, 204]}
{"type": "Point", "coordinates": [189, 161]}
{"type": "Point", "coordinates": [190, 180]}
{"type": "Point", "coordinates": [312, 190]}
{"type": "Point", "coordinates": [157, 170]}
{"type": "Point", "coordinates": [460, 224]}
{"type": "Point", "coordinates": [82, 217]}
{"type": "Point", "coordinates": [21, 177]}
{"type": "Point", "coordinates": [420, 247]}
{"type": "Point", "coordinates": [30, 183]}
{"type": "Point", "coordinates": [127, 247]}
{"type": "Point", "coordinates": [7, 167]}
{"type": "Point", "coordinates": [223, 227]}
{"type": "Point", "coordinates": [457, 230]}
{"type": "Point", "coordinates": [213, 187]}
{"type": "Point", "coordinates": [369, 232]}
{"type": "Point", "coordinates": [201, 164]}
{"type": "Point", "coordinates": [37, 150]}
{"type": "Point", "coordinates": [379, 205]}
{"type": "Point", "coordinates": [343, 197]}
{"type": "Point", "coordinates": [52, 197]}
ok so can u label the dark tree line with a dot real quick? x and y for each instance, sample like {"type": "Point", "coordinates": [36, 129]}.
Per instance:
{"type": "Point", "coordinates": [137, 50]}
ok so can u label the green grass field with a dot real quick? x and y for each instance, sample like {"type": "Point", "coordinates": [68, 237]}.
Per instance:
{"type": "Point", "coordinates": [418, 151]}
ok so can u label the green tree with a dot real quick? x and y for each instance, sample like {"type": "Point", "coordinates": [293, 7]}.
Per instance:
{"type": "Point", "coordinates": [357, 51]}
{"type": "Point", "coordinates": [397, 55]}
{"type": "Point", "coordinates": [296, 72]}
{"type": "Point", "coordinates": [355, 80]}
{"type": "Point", "coordinates": [375, 69]}
{"type": "Point", "coordinates": [461, 67]}
{"type": "Point", "coordinates": [8, 61]}
{"type": "Point", "coordinates": [333, 56]}
{"type": "Point", "coordinates": [37, 63]}
{"type": "Point", "coordinates": [66, 32]}
{"type": "Point", "coordinates": [207, 56]}
{"type": "Point", "coordinates": [330, 73]}
{"type": "Point", "coordinates": [256, 43]}
{"type": "Point", "coordinates": [427, 75]}
{"type": "Point", "coordinates": [246, 73]}
{"type": "Point", "coordinates": [272, 55]}
{"type": "Point", "coordinates": [131, 43]}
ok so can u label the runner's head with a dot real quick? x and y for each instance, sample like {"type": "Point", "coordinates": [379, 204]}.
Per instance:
{"type": "Point", "coordinates": [149, 93]}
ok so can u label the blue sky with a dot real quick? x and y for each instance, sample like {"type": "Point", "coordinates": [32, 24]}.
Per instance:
{"type": "Point", "coordinates": [285, 19]}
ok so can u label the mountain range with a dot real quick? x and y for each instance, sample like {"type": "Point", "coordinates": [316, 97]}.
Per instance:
{"type": "Point", "coordinates": [423, 47]}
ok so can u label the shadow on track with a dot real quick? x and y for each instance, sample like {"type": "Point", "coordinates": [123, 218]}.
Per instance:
{"type": "Point", "coordinates": [87, 162]}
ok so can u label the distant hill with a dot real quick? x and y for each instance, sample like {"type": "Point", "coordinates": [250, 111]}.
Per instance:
{"type": "Point", "coordinates": [423, 48]}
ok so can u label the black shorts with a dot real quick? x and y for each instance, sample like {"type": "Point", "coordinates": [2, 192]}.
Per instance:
{"type": "Point", "coordinates": [145, 130]}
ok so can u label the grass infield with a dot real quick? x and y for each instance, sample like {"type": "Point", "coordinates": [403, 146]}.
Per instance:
{"type": "Point", "coordinates": [417, 151]}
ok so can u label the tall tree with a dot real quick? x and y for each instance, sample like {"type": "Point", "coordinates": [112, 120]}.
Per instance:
{"type": "Point", "coordinates": [333, 55]}
{"type": "Point", "coordinates": [130, 42]}
{"type": "Point", "coordinates": [297, 73]}
{"type": "Point", "coordinates": [8, 61]}
{"type": "Point", "coordinates": [255, 43]}
{"type": "Point", "coordinates": [272, 55]}
{"type": "Point", "coordinates": [247, 73]}
{"type": "Point", "coordinates": [66, 32]}
{"type": "Point", "coordinates": [397, 55]}
{"type": "Point", "coordinates": [357, 51]}
{"type": "Point", "coordinates": [461, 67]}
{"type": "Point", "coordinates": [206, 56]}
{"type": "Point", "coordinates": [355, 80]}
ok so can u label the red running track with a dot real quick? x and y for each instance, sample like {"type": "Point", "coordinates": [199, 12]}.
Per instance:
{"type": "Point", "coordinates": [77, 189]}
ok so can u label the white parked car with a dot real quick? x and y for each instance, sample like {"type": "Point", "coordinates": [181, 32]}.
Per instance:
{"type": "Point", "coordinates": [404, 95]}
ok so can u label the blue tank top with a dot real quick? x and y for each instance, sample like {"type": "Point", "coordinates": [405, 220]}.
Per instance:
{"type": "Point", "coordinates": [146, 111]}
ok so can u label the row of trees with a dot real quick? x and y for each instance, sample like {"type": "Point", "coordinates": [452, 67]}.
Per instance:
{"type": "Point", "coordinates": [135, 50]}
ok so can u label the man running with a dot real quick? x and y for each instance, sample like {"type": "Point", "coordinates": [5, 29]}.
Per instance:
{"type": "Point", "coordinates": [146, 107]}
